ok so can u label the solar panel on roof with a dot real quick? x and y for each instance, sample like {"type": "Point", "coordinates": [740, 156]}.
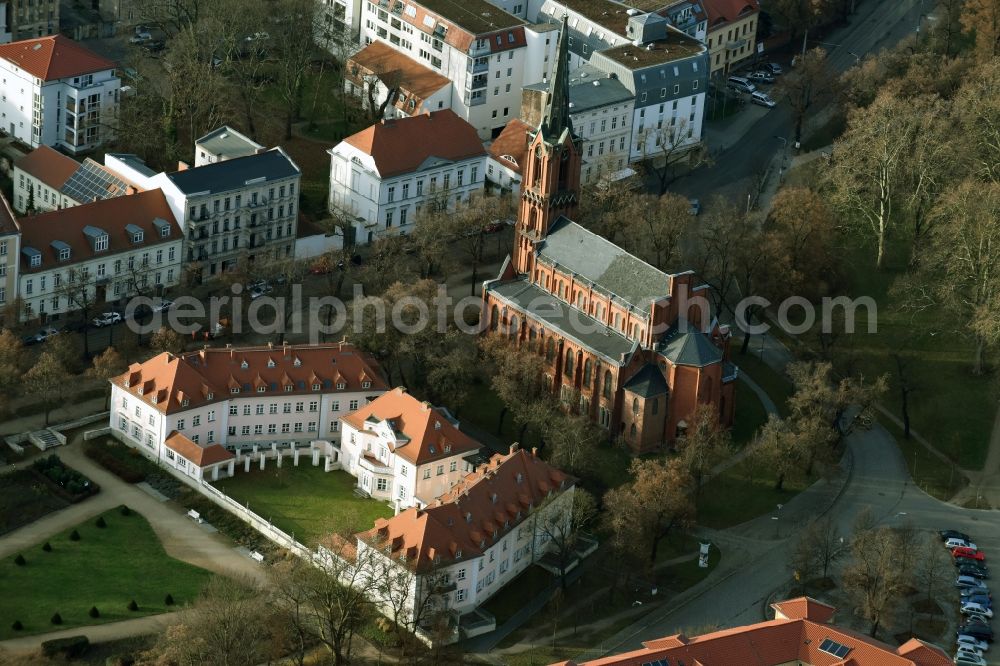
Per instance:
{"type": "Point", "coordinates": [833, 647]}
{"type": "Point", "coordinates": [92, 183]}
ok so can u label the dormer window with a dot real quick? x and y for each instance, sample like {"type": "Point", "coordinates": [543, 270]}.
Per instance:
{"type": "Point", "coordinates": [447, 448]}
{"type": "Point", "coordinates": [64, 254]}
{"type": "Point", "coordinates": [458, 554]}
{"type": "Point", "coordinates": [244, 365]}
{"type": "Point", "coordinates": [211, 396]}
{"type": "Point", "coordinates": [365, 385]}
{"type": "Point", "coordinates": [270, 363]}
{"type": "Point", "coordinates": [437, 425]}
{"type": "Point", "coordinates": [341, 386]}
{"type": "Point", "coordinates": [288, 388]}
{"type": "Point", "coordinates": [137, 237]}
{"type": "Point", "coordinates": [520, 477]}
{"type": "Point", "coordinates": [101, 243]}
{"type": "Point", "coordinates": [433, 449]}
{"type": "Point", "coordinates": [36, 260]}
{"type": "Point", "coordinates": [482, 543]}
{"type": "Point", "coordinates": [185, 402]}
{"type": "Point", "coordinates": [297, 362]}
{"type": "Point", "coordinates": [261, 389]}
{"type": "Point", "coordinates": [315, 387]}
{"type": "Point", "coordinates": [234, 390]}
{"type": "Point", "coordinates": [468, 517]}
{"type": "Point", "coordinates": [493, 498]}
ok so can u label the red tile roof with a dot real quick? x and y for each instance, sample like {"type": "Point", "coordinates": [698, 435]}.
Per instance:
{"type": "Point", "coordinates": [720, 12]}
{"type": "Point", "coordinates": [415, 81]}
{"type": "Point", "coordinates": [431, 435]}
{"type": "Point", "coordinates": [402, 145]}
{"type": "Point", "coordinates": [48, 165]}
{"type": "Point", "coordinates": [210, 375]}
{"type": "Point", "coordinates": [510, 148]}
{"type": "Point", "coordinates": [110, 215]}
{"type": "Point", "coordinates": [475, 514]}
{"type": "Point", "coordinates": [199, 455]}
{"type": "Point", "coordinates": [805, 608]}
{"type": "Point", "coordinates": [54, 57]}
{"type": "Point", "coordinates": [780, 641]}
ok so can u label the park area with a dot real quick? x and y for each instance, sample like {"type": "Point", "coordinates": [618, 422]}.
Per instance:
{"type": "Point", "coordinates": [305, 501]}
{"type": "Point", "coordinates": [106, 568]}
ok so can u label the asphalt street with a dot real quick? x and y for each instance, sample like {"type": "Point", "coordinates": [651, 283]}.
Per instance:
{"type": "Point", "coordinates": [876, 25]}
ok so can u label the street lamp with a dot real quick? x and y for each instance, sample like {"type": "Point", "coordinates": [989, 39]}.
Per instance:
{"type": "Point", "coordinates": [857, 58]}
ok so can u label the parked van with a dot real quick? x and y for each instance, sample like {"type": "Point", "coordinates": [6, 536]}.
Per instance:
{"type": "Point", "coordinates": [761, 98]}
{"type": "Point", "coordinates": [741, 84]}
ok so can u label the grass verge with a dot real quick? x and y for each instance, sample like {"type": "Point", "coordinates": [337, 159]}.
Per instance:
{"type": "Point", "coordinates": [745, 491]}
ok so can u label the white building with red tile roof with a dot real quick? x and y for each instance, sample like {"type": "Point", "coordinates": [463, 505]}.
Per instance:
{"type": "Point", "coordinates": [50, 180]}
{"type": "Point", "coordinates": [801, 633]}
{"type": "Point", "coordinates": [405, 451]}
{"type": "Point", "coordinates": [241, 398]}
{"type": "Point", "coordinates": [57, 93]}
{"type": "Point", "coordinates": [381, 176]}
{"type": "Point", "coordinates": [461, 550]}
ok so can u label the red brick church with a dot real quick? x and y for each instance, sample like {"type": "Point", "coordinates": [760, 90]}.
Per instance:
{"type": "Point", "coordinates": [627, 344]}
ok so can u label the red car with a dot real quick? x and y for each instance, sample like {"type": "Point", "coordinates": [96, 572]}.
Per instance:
{"type": "Point", "coordinates": [974, 555]}
{"type": "Point", "coordinates": [963, 550]}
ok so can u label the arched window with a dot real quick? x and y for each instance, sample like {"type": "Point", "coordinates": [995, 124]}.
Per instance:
{"type": "Point", "coordinates": [550, 350]}
{"type": "Point", "coordinates": [568, 368]}
{"type": "Point", "coordinates": [656, 406]}
{"type": "Point", "coordinates": [635, 406]}
{"type": "Point", "coordinates": [515, 326]}
{"type": "Point", "coordinates": [494, 318]}
{"type": "Point", "coordinates": [607, 384]}
{"type": "Point", "coordinates": [586, 373]}
{"type": "Point", "coordinates": [632, 431]}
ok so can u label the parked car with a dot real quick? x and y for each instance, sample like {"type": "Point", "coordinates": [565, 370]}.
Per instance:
{"type": "Point", "coordinates": [978, 618]}
{"type": "Point", "coordinates": [140, 38]}
{"type": "Point", "coordinates": [969, 582]}
{"type": "Point", "coordinates": [259, 291]}
{"type": "Point", "coordinates": [39, 337]}
{"type": "Point", "coordinates": [163, 305]}
{"type": "Point", "coordinates": [761, 77]}
{"type": "Point", "coordinates": [972, 568]}
{"type": "Point", "coordinates": [969, 659]}
{"type": "Point", "coordinates": [959, 543]}
{"type": "Point", "coordinates": [952, 534]}
{"type": "Point", "coordinates": [962, 639]}
{"type": "Point", "coordinates": [106, 319]}
{"type": "Point", "coordinates": [964, 550]}
{"type": "Point", "coordinates": [740, 84]}
{"type": "Point", "coordinates": [978, 598]}
{"type": "Point", "coordinates": [978, 631]}
{"type": "Point", "coordinates": [762, 99]}
{"type": "Point", "coordinates": [976, 556]}
{"type": "Point", "coordinates": [968, 649]}
{"type": "Point", "coordinates": [694, 206]}
{"type": "Point", "coordinates": [970, 607]}
{"type": "Point", "coordinates": [153, 45]}
{"type": "Point", "coordinates": [772, 67]}
{"type": "Point", "coordinates": [968, 592]}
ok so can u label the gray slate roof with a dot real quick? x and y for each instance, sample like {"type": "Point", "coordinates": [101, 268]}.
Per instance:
{"type": "Point", "coordinates": [568, 321]}
{"type": "Point", "coordinates": [694, 349]}
{"type": "Point", "coordinates": [608, 267]}
{"type": "Point", "coordinates": [234, 174]}
{"type": "Point", "coordinates": [648, 382]}
{"type": "Point", "coordinates": [584, 95]}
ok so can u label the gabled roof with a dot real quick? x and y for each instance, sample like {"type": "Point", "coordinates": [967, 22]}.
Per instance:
{"type": "Point", "coordinates": [510, 148]}
{"type": "Point", "coordinates": [425, 433]}
{"type": "Point", "coordinates": [476, 513]}
{"type": "Point", "coordinates": [720, 12]}
{"type": "Point", "coordinates": [805, 608]}
{"type": "Point", "coordinates": [48, 165]}
{"type": "Point", "coordinates": [805, 640]}
{"type": "Point", "coordinates": [416, 81]}
{"type": "Point", "coordinates": [202, 456]}
{"type": "Point", "coordinates": [607, 266]}
{"type": "Point", "coordinates": [692, 348]}
{"type": "Point", "coordinates": [236, 173]}
{"type": "Point", "coordinates": [404, 145]}
{"type": "Point", "coordinates": [71, 226]}
{"type": "Point", "coordinates": [211, 375]}
{"type": "Point", "coordinates": [54, 57]}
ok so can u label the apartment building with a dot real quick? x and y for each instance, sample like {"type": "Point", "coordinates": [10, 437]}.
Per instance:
{"type": "Point", "coordinates": [507, 156]}
{"type": "Point", "coordinates": [245, 208]}
{"type": "Point", "coordinates": [57, 93]}
{"type": "Point", "coordinates": [732, 31]}
{"type": "Point", "coordinates": [97, 253]}
{"type": "Point", "coordinates": [46, 179]}
{"type": "Point", "coordinates": [405, 451]}
{"type": "Point", "coordinates": [383, 175]}
{"type": "Point", "coordinates": [486, 53]}
{"type": "Point", "coordinates": [31, 18]}
{"type": "Point", "coordinates": [238, 398]}
{"type": "Point", "coordinates": [10, 252]}
{"type": "Point", "coordinates": [475, 539]}
{"type": "Point", "coordinates": [415, 88]}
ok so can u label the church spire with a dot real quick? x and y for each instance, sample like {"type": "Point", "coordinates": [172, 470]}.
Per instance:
{"type": "Point", "coordinates": [556, 118]}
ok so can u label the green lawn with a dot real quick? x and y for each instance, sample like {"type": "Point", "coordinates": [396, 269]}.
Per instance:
{"type": "Point", "coordinates": [305, 501]}
{"type": "Point", "coordinates": [743, 492]}
{"type": "Point", "coordinates": [516, 594]}
{"type": "Point", "coordinates": [928, 471]}
{"type": "Point", "coordinates": [775, 384]}
{"type": "Point", "coordinates": [24, 498]}
{"type": "Point", "coordinates": [106, 568]}
{"type": "Point", "coordinates": [750, 415]}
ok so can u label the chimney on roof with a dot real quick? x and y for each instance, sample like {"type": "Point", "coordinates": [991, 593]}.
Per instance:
{"type": "Point", "coordinates": [270, 345]}
{"type": "Point", "coordinates": [426, 405]}
{"type": "Point", "coordinates": [129, 191]}
{"type": "Point", "coordinates": [182, 166]}
{"type": "Point", "coordinates": [285, 349]}
{"type": "Point", "coordinates": [534, 452]}
{"type": "Point", "coordinates": [514, 447]}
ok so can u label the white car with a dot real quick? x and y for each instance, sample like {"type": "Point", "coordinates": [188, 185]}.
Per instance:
{"type": "Point", "coordinates": [972, 642]}
{"type": "Point", "coordinates": [969, 659]}
{"type": "Point", "coordinates": [107, 319]}
{"type": "Point", "coordinates": [970, 582]}
{"type": "Point", "coordinates": [259, 291]}
{"type": "Point", "coordinates": [959, 543]}
{"type": "Point", "coordinates": [163, 306]}
{"type": "Point", "coordinates": [968, 649]}
{"type": "Point", "coordinates": [977, 608]}
{"type": "Point", "coordinates": [762, 99]}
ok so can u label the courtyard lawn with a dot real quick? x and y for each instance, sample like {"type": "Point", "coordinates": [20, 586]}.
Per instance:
{"type": "Point", "coordinates": [24, 498]}
{"type": "Point", "coordinates": [305, 501]}
{"type": "Point", "coordinates": [744, 491]}
{"type": "Point", "coordinates": [107, 568]}
{"type": "Point", "coordinates": [775, 384]}
{"type": "Point", "coordinates": [749, 417]}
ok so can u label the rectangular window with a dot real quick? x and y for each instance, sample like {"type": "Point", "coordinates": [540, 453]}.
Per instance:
{"type": "Point", "coordinates": [258, 429]}
{"type": "Point", "coordinates": [196, 420]}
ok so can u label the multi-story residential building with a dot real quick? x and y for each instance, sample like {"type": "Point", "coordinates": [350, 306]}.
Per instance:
{"type": "Point", "coordinates": [339, 23]}
{"type": "Point", "coordinates": [223, 144]}
{"type": "Point", "coordinates": [239, 398]}
{"type": "Point", "coordinates": [10, 253]}
{"type": "Point", "coordinates": [57, 93]}
{"type": "Point", "coordinates": [32, 18]}
{"type": "Point", "coordinates": [487, 53]}
{"type": "Point", "coordinates": [626, 344]}
{"type": "Point", "coordinates": [5, 34]}
{"type": "Point", "coordinates": [383, 175]}
{"type": "Point", "coordinates": [46, 179]}
{"type": "Point", "coordinates": [460, 551]}
{"type": "Point", "coordinates": [601, 109]}
{"type": "Point", "coordinates": [416, 88]}
{"type": "Point", "coordinates": [231, 210]}
{"type": "Point", "coordinates": [97, 253]}
{"type": "Point", "coordinates": [405, 451]}
{"type": "Point", "coordinates": [732, 31]}
{"type": "Point", "coordinates": [801, 633]}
